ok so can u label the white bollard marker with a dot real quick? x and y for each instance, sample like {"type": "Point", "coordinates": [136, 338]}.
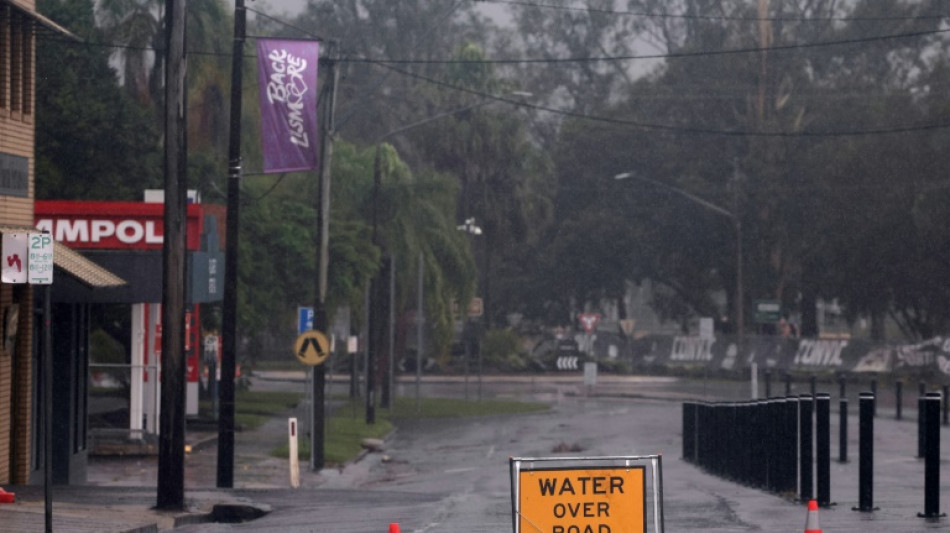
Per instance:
{"type": "Point", "coordinates": [294, 460]}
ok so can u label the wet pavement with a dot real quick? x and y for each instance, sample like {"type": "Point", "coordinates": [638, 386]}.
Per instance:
{"type": "Point", "coordinates": [121, 490]}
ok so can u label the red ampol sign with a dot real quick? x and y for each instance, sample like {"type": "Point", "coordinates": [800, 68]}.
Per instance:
{"type": "Point", "coordinates": [111, 225]}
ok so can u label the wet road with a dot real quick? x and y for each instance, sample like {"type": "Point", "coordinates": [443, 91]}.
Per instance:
{"type": "Point", "coordinates": [452, 476]}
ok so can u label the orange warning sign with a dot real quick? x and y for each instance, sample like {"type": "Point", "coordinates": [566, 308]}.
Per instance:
{"type": "Point", "coordinates": [590, 500]}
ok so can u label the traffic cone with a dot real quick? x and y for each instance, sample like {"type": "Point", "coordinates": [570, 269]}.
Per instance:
{"type": "Point", "coordinates": [7, 497]}
{"type": "Point", "coordinates": [393, 528]}
{"type": "Point", "coordinates": [811, 523]}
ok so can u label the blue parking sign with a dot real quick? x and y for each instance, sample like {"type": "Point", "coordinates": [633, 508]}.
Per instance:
{"type": "Point", "coordinates": [304, 319]}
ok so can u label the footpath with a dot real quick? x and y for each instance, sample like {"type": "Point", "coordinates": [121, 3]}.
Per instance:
{"type": "Point", "coordinates": [121, 493]}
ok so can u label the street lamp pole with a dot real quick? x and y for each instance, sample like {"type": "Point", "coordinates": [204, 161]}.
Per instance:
{"type": "Point", "coordinates": [375, 336]}
{"type": "Point", "coordinates": [736, 220]}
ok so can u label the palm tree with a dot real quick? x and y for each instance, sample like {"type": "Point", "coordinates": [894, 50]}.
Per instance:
{"type": "Point", "coordinates": [136, 26]}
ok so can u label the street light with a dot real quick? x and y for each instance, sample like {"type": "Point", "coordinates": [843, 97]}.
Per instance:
{"type": "Point", "coordinates": [471, 228]}
{"type": "Point", "coordinates": [737, 221]}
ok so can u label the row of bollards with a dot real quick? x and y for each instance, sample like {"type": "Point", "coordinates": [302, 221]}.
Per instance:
{"type": "Point", "coordinates": [783, 444]}
{"type": "Point", "coordinates": [770, 444]}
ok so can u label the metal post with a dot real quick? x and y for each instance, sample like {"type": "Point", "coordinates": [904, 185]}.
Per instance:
{"type": "Point", "coordinates": [790, 446]}
{"type": "Point", "coordinates": [48, 408]}
{"type": "Point", "coordinates": [689, 431]}
{"type": "Point", "coordinates": [225, 468]}
{"type": "Point", "coordinates": [866, 453]}
{"type": "Point", "coordinates": [843, 430]}
{"type": "Point", "coordinates": [932, 456]}
{"type": "Point", "coordinates": [823, 448]}
{"type": "Point", "coordinates": [768, 384]}
{"type": "Point", "coordinates": [921, 427]}
{"type": "Point", "coordinates": [420, 323]}
{"type": "Point", "coordinates": [898, 398]}
{"type": "Point", "coordinates": [806, 408]}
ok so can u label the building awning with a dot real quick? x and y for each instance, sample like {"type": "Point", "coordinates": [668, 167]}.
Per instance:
{"type": "Point", "coordinates": [43, 22]}
{"type": "Point", "coordinates": [73, 263]}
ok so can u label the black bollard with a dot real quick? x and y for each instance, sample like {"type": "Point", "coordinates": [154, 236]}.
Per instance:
{"type": "Point", "coordinates": [768, 384]}
{"type": "Point", "coordinates": [790, 446]}
{"type": "Point", "coordinates": [823, 448]}
{"type": "Point", "coordinates": [788, 384]}
{"type": "Point", "coordinates": [758, 446]}
{"type": "Point", "coordinates": [812, 385]}
{"type": "Point", "coordinates": [689, 432]}
{"type": "Point", "coordinates": [842, 383]}
{"type": "Point", "coordinates": [932, 456]}
{"type": "Point", "coordinates": [898, 398]}
{"type": "Point", "coordinates": [843, 430]}
{"type": "Point", "coordinates": [806, 455]}
{"type": "Point", "coordinates": [774, 411]}
{"type": "Point", "coordinates": [921, 433]}
{"type": "Point", "coordinates": [865, 453]}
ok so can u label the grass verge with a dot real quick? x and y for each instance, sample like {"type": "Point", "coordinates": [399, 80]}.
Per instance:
{"type": "Point", "coordinates": [347, 428]}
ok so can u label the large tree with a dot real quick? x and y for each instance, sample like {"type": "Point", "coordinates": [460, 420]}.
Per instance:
{"type": "Point", "coordinates": [92, 140]}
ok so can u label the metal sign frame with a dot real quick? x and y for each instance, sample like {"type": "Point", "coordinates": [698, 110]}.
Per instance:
{"type": "Point", "coordinates": [563, 464]}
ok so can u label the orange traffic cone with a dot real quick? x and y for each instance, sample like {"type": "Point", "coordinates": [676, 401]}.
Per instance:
{"type": "Point", "coordinates": [393, 528]}
{"type": "Point", "coordinates": [7, 497]}
{"type": "Point", "coordinates": [811, 523]}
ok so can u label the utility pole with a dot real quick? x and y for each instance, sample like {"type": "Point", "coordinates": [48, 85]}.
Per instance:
{"type": "Point", "coordinates": [229, 315]}
{"type": "Point", "coordinates": [171, 449]}
{"type": "Point", "coordinates": [320, 319]}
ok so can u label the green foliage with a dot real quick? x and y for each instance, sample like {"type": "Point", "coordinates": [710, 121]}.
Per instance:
{"type": "Point", "coordinates": [501, 350]}
{"type": "Point", "coordinates": [92, 141]}
{"type": "Point", "coordinates": [347, 428]}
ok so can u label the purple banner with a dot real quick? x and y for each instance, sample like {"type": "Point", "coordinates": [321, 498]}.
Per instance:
{"type": "Point", "coordinates": [287, 72]}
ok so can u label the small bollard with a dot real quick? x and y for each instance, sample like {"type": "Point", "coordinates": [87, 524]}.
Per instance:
{"type": "Point", "coordinates": [768, 383]}
{"type": "Point", "coordinates": [932, 456]}
{"type": "Point", "coordinates": [865, 453]}
{"type": "Point", "coordinates": [806, 465]}
{"type": "Point", "coordinates": [292, 453]}
{"type": "Point", "coordinates": [946, 405]}
{"type": "Point", "coordinates": [689, 431]}
{"type": "Point", "coordinates": [812, 385]}
{"type": "Point", "coordinates": [898, 398]}
{"type": "Point", "coordinates": [823, 448]}
{"type": "Point", "coordinates": [843, 430]}
{"type": "Point", "coordinates": [788, 384]}
{"type": "Point", "coordinates": [921, 429]}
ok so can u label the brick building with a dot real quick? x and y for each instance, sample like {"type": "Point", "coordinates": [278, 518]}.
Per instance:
{"type": "Point", "coordinates": [20, 380]}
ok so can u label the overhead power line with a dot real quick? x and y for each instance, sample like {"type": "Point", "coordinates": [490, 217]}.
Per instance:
{"type": "Point", "coordinates": [671, 55]}
{"type": "Point", "coordinates": [675, 129]}
{"type": "Point", "coordinates": [646, 14]}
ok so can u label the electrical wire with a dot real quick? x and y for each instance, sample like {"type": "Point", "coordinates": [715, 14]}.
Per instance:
{"type": "Point", "coordinates": [595, 59]}
{"type": "Point", "coordinates": [645, 14]}
{"type": "Point", "coordinates": [670, 128]}
{"type": "Point", "coordinates": [671, 55]}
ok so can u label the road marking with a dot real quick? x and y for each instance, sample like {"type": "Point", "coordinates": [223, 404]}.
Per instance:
{"type": "Point", "coordinates": [458, 470]}
{"type": "Point", "coordinates": [491, 451]}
